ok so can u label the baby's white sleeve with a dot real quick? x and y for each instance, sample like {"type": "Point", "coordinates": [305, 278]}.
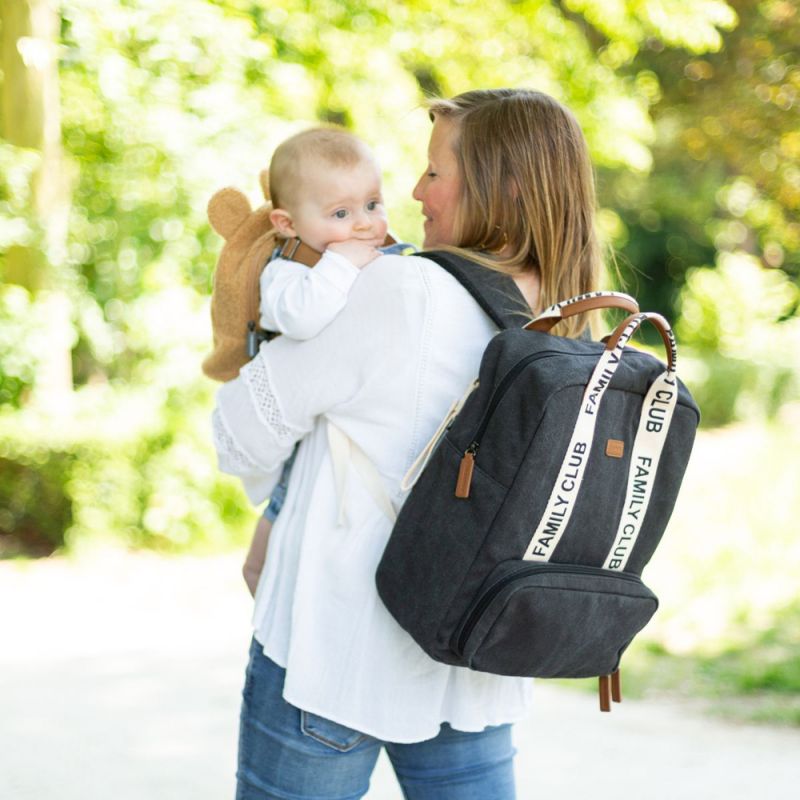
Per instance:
{"type": "Point", "coordinates": [300, 301]}
{"type": "Point", "coordinates": [278, 396]}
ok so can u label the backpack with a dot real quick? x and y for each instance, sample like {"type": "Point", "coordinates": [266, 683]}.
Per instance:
{"type": "Point", "coordinates": [520, 547]}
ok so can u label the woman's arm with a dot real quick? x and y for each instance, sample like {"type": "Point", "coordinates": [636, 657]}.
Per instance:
{"type": "Point", "coordinates": [250, 432]}
{"type": "Point", "coordinates": [278, 396]}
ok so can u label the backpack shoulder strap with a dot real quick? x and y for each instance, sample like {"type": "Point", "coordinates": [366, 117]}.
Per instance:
{"type": "Point", "coordinates": [495, 292]}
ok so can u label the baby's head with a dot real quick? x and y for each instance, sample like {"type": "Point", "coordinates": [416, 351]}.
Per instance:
{"type": "Point", "coordinates": [325, 187]}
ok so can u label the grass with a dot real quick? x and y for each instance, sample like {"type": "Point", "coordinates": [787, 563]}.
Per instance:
{"type": "Point", "coordinates": [757, 679]}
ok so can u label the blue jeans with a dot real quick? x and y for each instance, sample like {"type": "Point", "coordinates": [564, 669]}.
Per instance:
{"type": "Point", "coordinates": [289, 754]}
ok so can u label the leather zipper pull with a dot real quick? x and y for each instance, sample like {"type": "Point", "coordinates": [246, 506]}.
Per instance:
{"type": "Point", "coordinates": [465, 472]}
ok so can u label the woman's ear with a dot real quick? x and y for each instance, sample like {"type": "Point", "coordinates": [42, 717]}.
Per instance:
{"type": "Point", "coordinates": [282, 221]}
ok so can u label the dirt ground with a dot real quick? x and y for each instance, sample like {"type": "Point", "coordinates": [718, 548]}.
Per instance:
{"type": "Point", "coordinates": [120, 677]}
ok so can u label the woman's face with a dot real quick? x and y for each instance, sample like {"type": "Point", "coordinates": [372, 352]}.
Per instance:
{"type": "Point", "coordinates": [439, 187]}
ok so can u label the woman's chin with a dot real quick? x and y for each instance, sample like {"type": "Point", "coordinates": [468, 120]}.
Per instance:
{"type": "Point", "coordinates": [434, 237]}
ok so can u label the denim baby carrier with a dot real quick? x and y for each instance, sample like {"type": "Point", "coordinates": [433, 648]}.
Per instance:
{"type": "Point", "coordinates": [520, 547]}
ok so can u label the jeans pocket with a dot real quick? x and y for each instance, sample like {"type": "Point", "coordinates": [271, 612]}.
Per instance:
{"type": "Point", "coordinates": [331, 734]}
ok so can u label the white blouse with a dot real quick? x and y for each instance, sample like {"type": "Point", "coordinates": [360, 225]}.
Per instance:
{"type": "Point", "coordinates": [385, 371]}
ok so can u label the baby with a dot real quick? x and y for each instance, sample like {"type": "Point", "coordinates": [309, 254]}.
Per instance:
{"type": "Point", "coordinates": [325, 187]}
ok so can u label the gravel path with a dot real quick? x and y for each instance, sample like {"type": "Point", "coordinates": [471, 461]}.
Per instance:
{"type": "Point", "coordinates": [120, 677]}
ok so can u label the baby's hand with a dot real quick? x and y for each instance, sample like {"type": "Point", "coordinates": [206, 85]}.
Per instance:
{"type": "Point", "coordinates": [358, 253]}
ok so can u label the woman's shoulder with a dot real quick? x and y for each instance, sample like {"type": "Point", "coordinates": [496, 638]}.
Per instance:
{"type": "Point", "coordinates": [405, 290]}
{"type": "Point", "coordinates": [398, 262]}
{"type": "Point", "coordinates": [409, 270]}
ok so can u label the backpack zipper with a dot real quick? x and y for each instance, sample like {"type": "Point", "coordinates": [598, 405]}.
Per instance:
{"type": "Point", "coordinates": [464, 480]}
{"type": "Point", "coordinates": [526, 571]}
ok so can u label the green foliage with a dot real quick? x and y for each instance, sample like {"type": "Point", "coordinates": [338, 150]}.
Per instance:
{"type": "Point", "coordinates": [757, 680]}
{"type": "Point", "coordinates": [694, 26]}
{"type": "Point", "coordinates": [131, 465]}
{"type": "Point", "coordinates": [164, 102]}
{"type": "Point", "coordinates": [159, 108]}
{"type": "Point", "coordinates": [17, 361]}
{"type": "Point", "coordinates": [128, 459]}
{"type": "Point", "coordinates": [743, 345]}
{"type": "Point", "coordinates": [726, 155]}
{"type": "Point", "coordinates": [17, 166]}
{"type": "Point", "coordinates": [769, 660]}
{"type": "Point", "coordinates": [34, 510]}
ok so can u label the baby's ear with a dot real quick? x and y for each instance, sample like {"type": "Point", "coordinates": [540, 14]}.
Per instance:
{"type": "Point", "coordinates": [282, 222]}
{"type": "Point", "coordinates": [263, 179]}
{"type": "Point", "coordinates": [227, 210]}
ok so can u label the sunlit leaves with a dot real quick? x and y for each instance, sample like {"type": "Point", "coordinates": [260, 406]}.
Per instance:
{"type": "Point", "coordinates": [165, 101]}
{"type": "Point", "coordinates": [726, 170]}
{"type": "Point", "coordinates": [744, 365]}
{"type": "Point", "coordinates": [693, 24]}
{"type": "Point", "coordinates": [17, 167]}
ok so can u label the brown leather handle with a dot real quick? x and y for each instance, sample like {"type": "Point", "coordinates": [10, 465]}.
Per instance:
{"type": "Point", "coordinates": [634, 321]}
{"type": "Point", "coordinates": [579, 305]}
{"type": "Point", "coordinates": [295, 250]}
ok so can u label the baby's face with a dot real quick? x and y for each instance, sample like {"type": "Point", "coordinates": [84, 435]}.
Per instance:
{"type": "Point", "coordinates": [340, 203]}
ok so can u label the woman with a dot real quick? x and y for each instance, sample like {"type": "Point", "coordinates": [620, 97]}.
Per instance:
{"type": "Point", "coordinates": [332, 677]}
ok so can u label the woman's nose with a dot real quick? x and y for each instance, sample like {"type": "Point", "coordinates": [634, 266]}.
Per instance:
{"type": "Point", "coordinates": [417, 193]}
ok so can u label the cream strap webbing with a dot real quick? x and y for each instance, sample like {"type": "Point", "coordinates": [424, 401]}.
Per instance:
{"type": "Point", "coordinates": [657, 408]}
{"type": "Point", "coordinates": [344, 452]}
{"type": "Point", "coordinates": [421, 461]}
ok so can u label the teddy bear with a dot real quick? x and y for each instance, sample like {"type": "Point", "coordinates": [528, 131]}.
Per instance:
{"type": "Point", "coordinates": [250, 240]}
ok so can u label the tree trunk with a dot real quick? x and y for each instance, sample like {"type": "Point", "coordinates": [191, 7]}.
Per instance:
{"type": "Point", "coordinates": [31, 118]}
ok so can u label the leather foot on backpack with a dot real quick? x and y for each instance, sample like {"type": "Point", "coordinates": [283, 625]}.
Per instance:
{"type": "Point", "coordinates": [604, 686]}
{"type": "Point", "coordinates": [616, 687]}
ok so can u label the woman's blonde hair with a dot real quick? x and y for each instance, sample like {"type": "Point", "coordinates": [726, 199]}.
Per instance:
{"type": "Point", "coordinates": [527, 185]}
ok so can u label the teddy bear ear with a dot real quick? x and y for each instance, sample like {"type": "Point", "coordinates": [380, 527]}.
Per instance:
{"type": "Point", "coordinates": [263, 179]}
{"type": "Point", "coordinates": [227, 210]}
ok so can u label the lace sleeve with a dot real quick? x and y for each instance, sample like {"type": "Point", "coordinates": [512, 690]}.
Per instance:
{"type": "Point", "coordinates": [232, 459]}
{"type": "Point", "coordinates": [267, 408]}
{"type": "Point", "coordinates": [250, 434]}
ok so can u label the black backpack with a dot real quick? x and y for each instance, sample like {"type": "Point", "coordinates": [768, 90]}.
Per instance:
{"type": "Point", "coordinates": [520, 548]}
